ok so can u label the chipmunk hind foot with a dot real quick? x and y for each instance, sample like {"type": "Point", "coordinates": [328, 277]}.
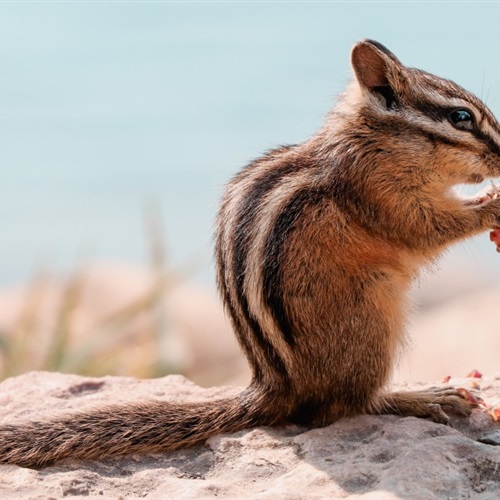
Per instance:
{"type": "Point", "coordinates": [435, 404]}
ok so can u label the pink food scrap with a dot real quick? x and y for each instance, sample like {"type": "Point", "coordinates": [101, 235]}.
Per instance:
{"type": "Point", "coordinates": [495, 237]}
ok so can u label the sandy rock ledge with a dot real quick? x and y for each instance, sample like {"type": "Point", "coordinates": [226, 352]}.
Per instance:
{"type": "Point", "coordinates": [367, 457]}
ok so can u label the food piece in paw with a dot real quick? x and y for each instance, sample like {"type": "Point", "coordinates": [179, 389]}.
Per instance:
{"type": "Point", "coordinates": [495, 237]}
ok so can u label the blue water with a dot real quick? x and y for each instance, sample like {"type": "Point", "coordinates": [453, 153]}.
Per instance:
{"type": "Point", "coordinates": [108, 107]}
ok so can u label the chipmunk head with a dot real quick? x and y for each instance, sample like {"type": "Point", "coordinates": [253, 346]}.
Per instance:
{"type": "Point", "coordinates": [433, 122]}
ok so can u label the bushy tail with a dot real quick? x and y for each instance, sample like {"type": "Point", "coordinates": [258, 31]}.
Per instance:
{"type": "Point", "coordinates": [149, 427]}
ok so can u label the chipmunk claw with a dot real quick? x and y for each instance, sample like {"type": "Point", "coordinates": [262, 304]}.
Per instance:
{"type": "Point", "coordinates": [437, 414]}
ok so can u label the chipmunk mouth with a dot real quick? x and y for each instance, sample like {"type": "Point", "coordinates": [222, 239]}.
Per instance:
{"type": "Point", "coordinates": [488, 193]}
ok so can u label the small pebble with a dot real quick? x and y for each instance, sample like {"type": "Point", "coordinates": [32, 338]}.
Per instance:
{"type": "Point", "coordinates": [492, 438]}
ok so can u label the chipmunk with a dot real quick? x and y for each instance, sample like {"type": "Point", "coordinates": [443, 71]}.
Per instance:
{"type": "Point", "coordinates": [316, 247]}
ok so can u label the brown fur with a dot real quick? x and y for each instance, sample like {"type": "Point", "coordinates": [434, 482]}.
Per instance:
{"type": "Point", "coordinates": [316, 247]}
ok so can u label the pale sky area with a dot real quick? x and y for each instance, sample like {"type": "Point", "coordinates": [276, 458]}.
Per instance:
{"type": "Point", "coordinates": [108, 107]}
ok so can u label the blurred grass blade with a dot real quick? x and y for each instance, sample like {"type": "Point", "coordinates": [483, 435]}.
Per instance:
{"type": "Point", "coordinates": [70, 300]}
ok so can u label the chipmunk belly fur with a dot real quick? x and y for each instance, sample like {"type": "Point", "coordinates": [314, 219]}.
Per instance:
{"type": "Point", "coordinates": [316, 247]}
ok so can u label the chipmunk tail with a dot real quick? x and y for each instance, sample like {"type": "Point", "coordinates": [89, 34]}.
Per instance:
{"type": "Point", "coordinates": [146, 427]}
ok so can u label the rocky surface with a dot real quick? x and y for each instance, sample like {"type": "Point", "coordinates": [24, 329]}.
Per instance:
{"type": "Point", "coordinates": [367, 457]}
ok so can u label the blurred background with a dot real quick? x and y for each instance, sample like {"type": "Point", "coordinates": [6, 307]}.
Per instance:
{"type": "Point", "coordinates": [121, 122]}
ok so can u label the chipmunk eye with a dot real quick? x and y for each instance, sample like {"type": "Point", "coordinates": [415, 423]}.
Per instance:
{"type": "Point", "coordinates": [461, 119]}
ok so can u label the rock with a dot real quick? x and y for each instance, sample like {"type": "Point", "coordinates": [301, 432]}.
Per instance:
{"type": "Point", "coordinates": [492, 438]}
{"type": "Point", "coordinates": [369, 457]}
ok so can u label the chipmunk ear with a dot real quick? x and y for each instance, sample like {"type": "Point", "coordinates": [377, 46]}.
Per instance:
{"type": "Point", "coordinates": [377, 69]}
